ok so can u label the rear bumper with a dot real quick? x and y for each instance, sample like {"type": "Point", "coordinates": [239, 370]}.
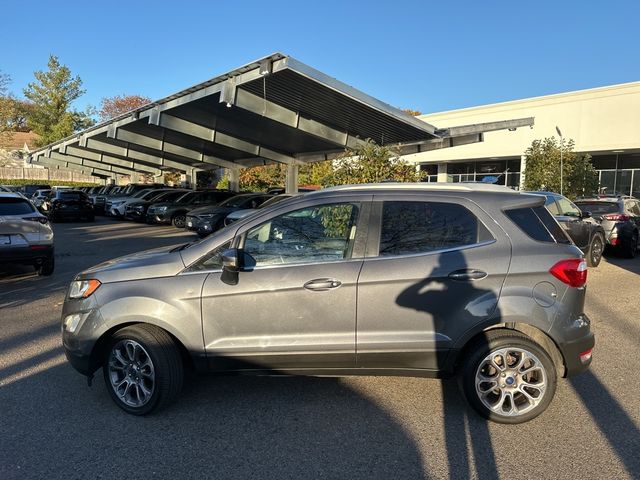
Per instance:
{"type": "Point", "coordinates": [26, 255]}
{"type": "Point", "coordinates": [71, 213]}
{"type": "Point", "coordinates": [571, 352]}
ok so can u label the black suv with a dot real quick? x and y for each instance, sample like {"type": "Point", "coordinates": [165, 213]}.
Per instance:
{"type": "Point", "coordinates": [620, 219]}
{"type": "Point", "coordinates": [66, 204]}
{"type": "Point", "coordinates": [585, 232]}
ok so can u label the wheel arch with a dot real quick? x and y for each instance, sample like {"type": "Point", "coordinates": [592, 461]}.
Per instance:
{"type": "Point", "coordinates": [100, 348]}
{"type": "Point", "coordinates": [531, 331]}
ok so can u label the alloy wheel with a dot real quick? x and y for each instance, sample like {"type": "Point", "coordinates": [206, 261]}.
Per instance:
{"type": "Point", "coordinates": [131, 373]}
{"type": "Point", "coordinates": [510, 381]}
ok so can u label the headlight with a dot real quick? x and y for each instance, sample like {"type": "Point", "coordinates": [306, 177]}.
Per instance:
{"type": "Point", "coordinates": [119, 202]}
{"type": "Point", "coordinates": [208, 215]}
{"type": "Point", "coordinates": [161, 209]}
{"type": "Point", "coordinates": [83, 288]}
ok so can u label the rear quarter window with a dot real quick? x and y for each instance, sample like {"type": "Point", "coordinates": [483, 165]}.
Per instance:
{"type": "Point", "coordinates": [537, 223]}
{"type": "Point", "coordinates": [598, 208]}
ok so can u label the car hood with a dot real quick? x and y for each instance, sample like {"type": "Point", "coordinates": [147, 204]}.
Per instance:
{"type": "Point", "coordinates": [158, 262]}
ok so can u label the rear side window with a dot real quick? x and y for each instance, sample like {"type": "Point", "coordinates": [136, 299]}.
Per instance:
{"type": "Point", "coordinates": [538, 224]}
{"type": "Point", "coordinates": [15, 206]}
{"type": "Point", "coordinates": [420, 227]}
{"type": "Point", "coordinates": [72, 196]}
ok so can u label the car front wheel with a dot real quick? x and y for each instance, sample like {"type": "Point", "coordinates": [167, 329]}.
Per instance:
{"type": "Point", "coordinates": [179, 220]}
{"type": "Point", "coordinates": [143, 369]}
{"type": "Point", "coordinates": [508, 378]}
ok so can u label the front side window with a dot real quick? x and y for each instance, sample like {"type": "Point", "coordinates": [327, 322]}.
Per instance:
{"type": "Point", "coordinates": [322, 233]}
{"type": "Point", "coordinates": [420, 227]}
{"type": "Point", "coordinates": [567, 208]}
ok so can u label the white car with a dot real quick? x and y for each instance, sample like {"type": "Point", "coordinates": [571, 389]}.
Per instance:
{"type": "Point", "coordinates": [116, 207]}
{"type": "Point", "coordinates": [25, 234]}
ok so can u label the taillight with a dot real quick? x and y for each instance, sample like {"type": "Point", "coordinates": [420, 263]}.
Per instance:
{"type": "Point", "coordinates": [617, 217]}
{"type": "Point", "coordinates": [572, 271]}
{"type": "Point", "coordinates": [42, 220]}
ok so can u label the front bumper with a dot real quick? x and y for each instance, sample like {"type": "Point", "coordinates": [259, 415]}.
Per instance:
{"type": "Point", "coordinates": [158, 218]}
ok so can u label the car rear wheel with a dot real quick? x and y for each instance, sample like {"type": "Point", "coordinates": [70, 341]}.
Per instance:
{"type": "Point", "coordinates": [143, 369]}
{"type": "Point", "coordinates": [596, 248]}
{"type": "Point", "coordinates": [631, 248]}
{"type": "Point", "coordinates": [46, 267]}
{"type": "Point", "coordinates": [507, 377]}
{"type": "Point", "coordinates": [179, 220]}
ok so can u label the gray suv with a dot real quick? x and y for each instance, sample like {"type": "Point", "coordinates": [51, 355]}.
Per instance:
{"type": "Point", "coordinates": [393, 279]}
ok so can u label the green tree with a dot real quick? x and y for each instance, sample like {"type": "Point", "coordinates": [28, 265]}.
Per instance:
{"type": "Point", "coordinates": [52, 94]}
{"type": "Point", "coordinates": [542, 171]}
{"type": "Point", "coordinates": [6, 107]}
{"type": "Point", "coordinates": [371, 163]}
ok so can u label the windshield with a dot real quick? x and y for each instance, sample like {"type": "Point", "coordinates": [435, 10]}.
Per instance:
{"type": "Point", "coordinates": [15, 206]}
{"type": "Point", "coordinates": [598, 208]}
{"type": "Point", "coordinates": [187, 197]}
{"type": "Point", "coordinates": [142, 193]}
{"type": "Point", "coordinates": [237, 201]}
{"type": "Point", "coordinates": [168, 196]}
{"type": "Point", "coordinates": [147, 194]}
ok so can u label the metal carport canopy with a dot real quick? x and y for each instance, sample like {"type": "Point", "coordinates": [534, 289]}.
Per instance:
{"type": "Point", "coordinates": [275, 109]}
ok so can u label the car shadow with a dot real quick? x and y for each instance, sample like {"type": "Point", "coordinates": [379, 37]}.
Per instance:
{"type": "Point", "coordinates": [630, 264]}
{"type": "Point", "coordinates": [223, 427]}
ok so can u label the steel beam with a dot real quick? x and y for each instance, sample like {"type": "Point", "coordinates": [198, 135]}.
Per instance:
{"type": "Point", "coordinates": [102, 161]}
{"type": "Point", "coordinates": [485, 127]}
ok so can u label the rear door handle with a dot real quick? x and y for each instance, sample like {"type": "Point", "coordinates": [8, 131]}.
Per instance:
{"type": "Point", "coordinates": [467, 274]}
{"type": "Point", "coordinates": [322, 284]}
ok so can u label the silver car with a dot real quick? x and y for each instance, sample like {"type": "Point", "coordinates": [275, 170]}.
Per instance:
{"type": "Point", "coordinates": [426, 280]}
{"type": "Point", "coordinates": [25, 234]}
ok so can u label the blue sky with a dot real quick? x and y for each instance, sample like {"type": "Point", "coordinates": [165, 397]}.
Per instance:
{"type": "Point", "coordinates": [429, 56]}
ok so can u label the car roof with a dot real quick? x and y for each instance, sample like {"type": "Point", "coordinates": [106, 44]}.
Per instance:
{"type": "Point", "coordinates": [439, 186]}
{"type": "Point", "coordinates": [12, 195]}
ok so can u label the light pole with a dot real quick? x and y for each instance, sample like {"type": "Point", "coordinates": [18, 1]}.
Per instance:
{"type": "Point", "coordinates": [561, 142]}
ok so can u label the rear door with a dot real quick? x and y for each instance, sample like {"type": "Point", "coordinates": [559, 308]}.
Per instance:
{"type": "Point", "coordinates": [434, 268]}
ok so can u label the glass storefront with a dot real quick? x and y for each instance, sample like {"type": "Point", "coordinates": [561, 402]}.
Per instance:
{"type": "Point", "coordinates": [499, 172]}
{"type": "Point", "coordinates": [619, 173]}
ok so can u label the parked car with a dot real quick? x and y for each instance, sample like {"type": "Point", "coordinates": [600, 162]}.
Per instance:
{"type": "Point", "coordinates": [175, 212]}
{"type": "Point", "coordinates": [67, 204]}
{"type": "Point", "coordinates": [38, 197]}
{"type": "Point", "coordinates": [101, 199]}
{"type": "Point", "coordinates": [25, 234]}
{"type": "Point", "coordinates": [115, 206]}
{"type": "Point", "coordinates": [240, 214]}
{"type": "Point", "coordinates": [28, 190]}
{"type": "Point", "coordinates": [619, 216]}
{"type": "Point", "coordinates": [208, 219]}
{"type": "Point", "coordinates": [586, 233]}
{"type": "Point", "coordinates": [426, 280]}
{"type": "Point", "coordinates": [137, 210]}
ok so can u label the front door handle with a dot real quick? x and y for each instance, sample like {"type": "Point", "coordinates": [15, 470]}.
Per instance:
{"type": "Point", "coordinates": [467, 274]}
{"type": "Point", "coordinates": [322, 284]}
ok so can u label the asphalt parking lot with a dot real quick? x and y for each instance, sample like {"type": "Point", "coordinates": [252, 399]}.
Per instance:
{"type": "Point", "coordinates": [52, 425]}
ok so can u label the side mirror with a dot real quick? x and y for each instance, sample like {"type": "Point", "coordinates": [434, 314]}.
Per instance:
{"type": "Point", "coordinates": [231, 260]}
{"type": "Point", "coordinates": [586, 214]}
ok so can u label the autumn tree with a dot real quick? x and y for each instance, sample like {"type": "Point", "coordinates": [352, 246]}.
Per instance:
{"type": "Point", "coordinates": [6, 107]}
{"type": "Point", "coordinates": [112, 107]}
{"type": "Point", "coordinates": [542, 171]}
{"type": "Point", "coordinates": [412, 112]}
{"type": "Point", "coordinates": [52, 95]}
{"type": "Point", "coordinates": [371, 163]}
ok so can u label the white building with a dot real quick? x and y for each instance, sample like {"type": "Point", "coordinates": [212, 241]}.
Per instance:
{"type": "Point", "coordinates": [604, 122]}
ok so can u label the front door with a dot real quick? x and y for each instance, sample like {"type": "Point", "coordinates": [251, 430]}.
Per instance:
{"type": "Point", "coordinates": [296, 308]}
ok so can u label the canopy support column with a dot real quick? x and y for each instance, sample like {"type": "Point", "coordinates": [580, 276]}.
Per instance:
{"type": "Point", "coordinates": [234, 179]}
{"type": "Point", "coordinates": [292, 179]}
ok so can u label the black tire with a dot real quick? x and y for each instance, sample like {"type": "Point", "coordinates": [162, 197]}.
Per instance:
{"type": "Point", "coordinates": [500, 342]}
{"type": "Point", "coordinates": [596, 248]}
{"type": "Point", "coordinates": [166, 363]}
{"type": "Point", "coordinates": [179, 220]}
{"type": "Point", "coordinates": [46, 267]}
{"type": "Point", "coordinates": [630, 249]}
